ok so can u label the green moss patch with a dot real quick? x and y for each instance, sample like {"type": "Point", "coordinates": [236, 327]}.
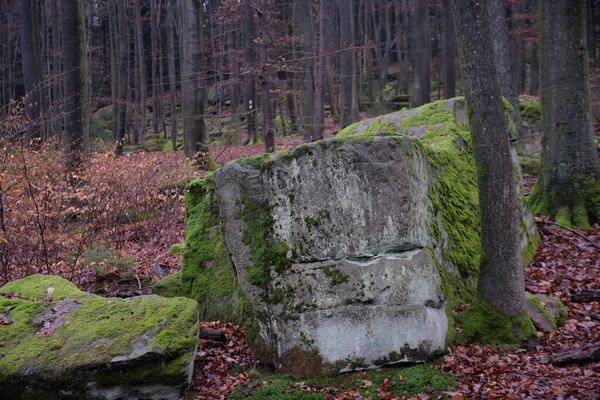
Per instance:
{"type": "Point", "coordinates": [104, 339]}
{"type": "Point", "coordinates": [484, 323]}
{"type": "Point", "coordinates": [208, 275]}
{"type": "Point", "coordinates": [411, 381]}
{"type": "Point", "coordinates": [36, 286]}
{"type": "Point", "coordinates": [170, 286]}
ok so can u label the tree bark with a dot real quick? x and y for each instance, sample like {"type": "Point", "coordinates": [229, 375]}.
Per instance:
{"type": "Point", "coordinates": [249, 79]}
{"type": "Point", "coordinates": [449, 50]}
{"type": "Point", "coordinates": [155, 59]}
{"type": "Point", "coordinates": [586, 296]}
{"type": "Point", "coordinates": [76, 82]}
{"type": "Point", "coordinates": [56, 109]}
{"type": "Point", "coordinates": [194, 131]}
{"type": "Point", "coordinates": [501, 278]}
{"type": "Point", "coordinates": [568, 188]}
{"type": "Point", "coordinates": [114, 67]}
{"type": "Point", "coordinates": [265, 84]}
{"type": "Point", "coordinates": [123, 76]}
{"type": "Point", "coordinates": [583, 355]}
{"type": "Point", "coordinates": [346, 62]}
{"type": "Point", "coordinates": [304, 15]}
{"type": "Point", "coordinates": [31, 60]}
{"type": "Point", "coordinates": [503, 60]}
{"type": "Point", "coordinates": [320, 76]}
{"type": "Point", "coordinates": [172, 71]}
{"type": "Point", "coordinates": [140, 54]}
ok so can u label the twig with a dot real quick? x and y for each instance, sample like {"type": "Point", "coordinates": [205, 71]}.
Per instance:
{"type": "Point", "coordinates": [570, 230]}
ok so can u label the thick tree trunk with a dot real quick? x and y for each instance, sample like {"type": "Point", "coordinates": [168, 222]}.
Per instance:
{"type": "Point", "coordinates": [501, 282]}
{"type": "Point", "coordinates": [568, 188]}
{"type": "Point", "coordinates": [449, 50]}
{"type": "Point", "coordinates": [31, 60]}
{"type": "Point", "coordinates": [76, 81]}
{"type": "Point", "coordinates": [503, 59]}
{"type": "Point", "coordinates": [249, 79]}
{"type": "Point", "coordinates": [194, 131]}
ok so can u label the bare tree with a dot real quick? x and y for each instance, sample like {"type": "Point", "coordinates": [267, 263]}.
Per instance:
{"type": "Point", "coordinates": [194, 130]}
{"type": "Point", "coordinates": [76, 82]}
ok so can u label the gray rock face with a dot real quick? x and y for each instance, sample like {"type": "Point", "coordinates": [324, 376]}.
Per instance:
{"type": "Point", "coordinates": [73, 345]}
{"type": "Point", "coordinates": [361, 289]}
{"type": "Point", "coordinates": [350, 250]}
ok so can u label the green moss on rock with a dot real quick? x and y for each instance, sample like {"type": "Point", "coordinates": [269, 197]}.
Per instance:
{"type": "Point", "coordinates": [177, 249]}
{"type": "Point", "coordinates": [36, 286]}
{"type": "Point", "coordinates": [170, 286]}
{"type": "Point", "coordinates": [484, 323]}
{"type": "Point", "coordinates": [85, 334]}
{"type": "Point", "coordinates": [208, 275]}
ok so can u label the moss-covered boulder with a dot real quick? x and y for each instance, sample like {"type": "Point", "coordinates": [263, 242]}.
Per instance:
{"type": "Point", "coordinates": [346, 253]}
{"type": "Point", "coordinates": [62, 343]}
{"type": "Point", "coordinates": [547, 313]}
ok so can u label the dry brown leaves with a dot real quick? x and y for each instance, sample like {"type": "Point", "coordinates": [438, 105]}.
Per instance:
{"type": "Point", "coordinates": [565, 264]}
{"type": "Point", "coordinates": [212, 379]}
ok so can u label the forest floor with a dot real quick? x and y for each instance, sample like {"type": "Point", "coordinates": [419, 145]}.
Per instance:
{"type": "Point", "coordinates": [135, 211]}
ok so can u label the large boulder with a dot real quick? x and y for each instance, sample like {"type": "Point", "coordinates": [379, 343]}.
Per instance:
{"type": "Point", "coordinates": [61, 343]}
{"type": "Point", "coordinates": [347, 253]}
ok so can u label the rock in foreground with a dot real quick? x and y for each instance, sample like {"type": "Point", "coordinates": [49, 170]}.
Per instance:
{"type": "Point", "coordinates": [347, 253]}
{"type": "Point", "coordinates": [62, 343]}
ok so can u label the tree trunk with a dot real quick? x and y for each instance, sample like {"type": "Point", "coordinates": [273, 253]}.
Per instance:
{"type": "Point", "coordinates": [172, 71]}
{"type": "Point", "coordinates": [140, 54]}
{"type": "Point", "coordinates": [45, 87]}
{"type": "Point", "coordinates": [114, 67]}
{"type": "Point", "coordinates": [319, 130]}
{"type": "Point", "coordinates": [11, 57]}
{"type": "Point", "coordinates": [501, 285]}
{"type": "Point", "coordinates": [304, 15]}
{"type": "Point", "coordinates": [155, 58]}
{"type": "Point", "coordinates": [449, 50]}
{"type": "Point", "coordinates": [76, 81]}
{"type": "Point", "coordinates": [503, 59]}
{"type": "Point", "coordinates": [194, 133]}
{"type": "Point", "coordinates": [249, 79]}
{"type": "Point", "coordinates": [424, 51]}
{"type": "Point", "coordinates": [31, 60]}
{"type": "Point", "coordinates": [55, 70]}
{"type": "Point", "coordinates": [568, 188]}
{"type": "Point", "coordinates": [346, 62]}
{"type": "Point", "coordinates": [265, 84]}
{"type": "Point", "coordinates": [123, 76]}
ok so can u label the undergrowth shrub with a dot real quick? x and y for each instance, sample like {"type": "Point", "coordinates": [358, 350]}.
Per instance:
{"type": "Point", "coordinates": [50, 224]}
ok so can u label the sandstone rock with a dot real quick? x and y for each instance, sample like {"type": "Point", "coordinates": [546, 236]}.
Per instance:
{"type": "Point", "coordinates": [547, 313]}
{"type": "Point", "coordinates": [347, 253]}
{"type": "Point", "coordinates": [63, 343]}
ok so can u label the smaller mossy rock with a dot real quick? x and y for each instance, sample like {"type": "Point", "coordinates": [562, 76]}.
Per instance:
{"type": "Point", "coordinates": [75, 345]}
{"type": "Point", "coordinates": [547, 313]}
{"type": "Point", "coordinates": [170, 286]}
{"type": "Point", "coordinates": [155, 144]}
